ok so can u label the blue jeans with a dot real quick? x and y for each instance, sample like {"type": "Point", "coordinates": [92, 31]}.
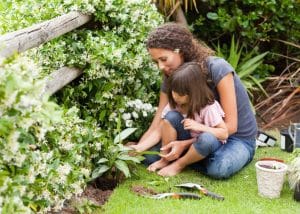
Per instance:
{"type": "Point", "coordinates": [221, 160]}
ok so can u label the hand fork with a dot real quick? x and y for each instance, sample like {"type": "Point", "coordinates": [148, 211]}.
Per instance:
{"type": "Point", "coordinates": [202, 189]}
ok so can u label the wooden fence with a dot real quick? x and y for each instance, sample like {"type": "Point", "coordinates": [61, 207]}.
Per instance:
{"type": "Point", "coordinates": [22, 40]}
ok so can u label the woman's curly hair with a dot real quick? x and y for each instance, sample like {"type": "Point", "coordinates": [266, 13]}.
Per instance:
{"type": "Point", "coordinates": [173, 36]}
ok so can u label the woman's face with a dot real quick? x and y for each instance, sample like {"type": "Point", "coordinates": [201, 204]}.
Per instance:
{"type": "Point", "coordinates": [166, 60]}
{"type": "Point", "coordinates": [180, 99]}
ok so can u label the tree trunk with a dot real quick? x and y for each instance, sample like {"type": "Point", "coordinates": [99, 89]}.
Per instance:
{"type": "Point", "coordinates": [35, 35]}
{"type": "Point", "coordinates": [180, 17]}
{"type": "Point", "coordinates": [59, 78]}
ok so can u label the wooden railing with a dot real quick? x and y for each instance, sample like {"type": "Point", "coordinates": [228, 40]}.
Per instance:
{"type": "Point", "coordinates": [22, 40]}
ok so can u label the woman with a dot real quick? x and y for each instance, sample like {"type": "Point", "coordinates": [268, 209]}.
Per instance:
{"type": "Point", "coordinates": [193, 116]}
{"type": "Point", "coordinates": [171, 45]}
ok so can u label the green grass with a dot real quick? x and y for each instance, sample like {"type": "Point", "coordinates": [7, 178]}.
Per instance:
{"type": "Point", "coordinates": [240, 192]}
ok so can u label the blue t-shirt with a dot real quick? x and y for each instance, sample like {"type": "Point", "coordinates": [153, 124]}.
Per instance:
{"type": "Point", "coordinates": [217, 69]}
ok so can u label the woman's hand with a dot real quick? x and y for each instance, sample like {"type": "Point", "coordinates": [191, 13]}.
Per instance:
{"type": "Point", "coordinates": [175, 149]}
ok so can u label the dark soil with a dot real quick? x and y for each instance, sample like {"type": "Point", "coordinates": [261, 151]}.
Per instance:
{"type": "Point", "coordinates": [98, 192]}
{"type": "Point", "coordinates": [140, 190]}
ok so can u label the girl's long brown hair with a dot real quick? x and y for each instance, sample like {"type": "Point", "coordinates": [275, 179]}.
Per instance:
{"type": "Point", "coordinates": [189, 80]}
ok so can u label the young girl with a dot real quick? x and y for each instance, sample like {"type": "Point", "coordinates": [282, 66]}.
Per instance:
{"type": "Point", "coordinates": [191, 97]}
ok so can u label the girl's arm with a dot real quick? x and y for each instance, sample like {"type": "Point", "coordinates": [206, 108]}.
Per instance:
{"type": "Point", "coordinates": [153, 135]}
{"type": "Point", "coordinates": [227, 95]}
{"type": "Point", "coordinates": [220, 130]}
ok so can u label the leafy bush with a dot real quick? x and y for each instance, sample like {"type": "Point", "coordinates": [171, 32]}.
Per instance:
{"type": "Point", "coordinates": [245, 65]}
{"type": "Point", "coordinates": [43, 147]}
{"type": "Point", "coordinates": [116, 65]}
{"type": "Point", "coordinates": [257, 23]}
{"type": "Point", "coordinates": [48, 152]}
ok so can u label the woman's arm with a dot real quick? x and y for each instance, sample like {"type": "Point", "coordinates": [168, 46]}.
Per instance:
{"type": "Point", "coordinates": [227, 95]}
{"type": "Point", "coordinates": [153, 135]}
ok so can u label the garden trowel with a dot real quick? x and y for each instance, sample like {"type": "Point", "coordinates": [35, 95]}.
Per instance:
{"type": "Point", "coordinates": [202, 189]}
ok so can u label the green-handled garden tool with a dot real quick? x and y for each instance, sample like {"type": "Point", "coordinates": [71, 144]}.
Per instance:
{"type": "Point", "coordinates": [202, 189]}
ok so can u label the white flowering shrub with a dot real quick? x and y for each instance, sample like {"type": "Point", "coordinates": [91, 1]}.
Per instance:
{"type": "Point", "coordinates": [48, 151]}
{"type": "Point", "coordinates": [113, 56]}
{"type": "Point", "coordinates": [43, 148]}
{"type": "Point", "coordinates": [110, 50]}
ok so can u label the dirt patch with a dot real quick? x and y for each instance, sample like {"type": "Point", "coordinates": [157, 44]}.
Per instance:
{"type": "Point", "coordinates": [97, 192]}
{"type": "Point", "coordinates": [140, 190]}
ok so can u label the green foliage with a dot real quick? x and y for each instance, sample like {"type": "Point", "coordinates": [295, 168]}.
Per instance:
{"type": "Point", "coordinates": [255, 22]}
{"type": "Point", "coordinates": [246, 66]}
{"type": "Point", "coordinates": [43, 147]}
{"type": "Point", "coordinates": [116, 159]}
{"type": "Point", "coordinates": [48, 152]}
{"type": "Point", "coordinates": [119, 78]}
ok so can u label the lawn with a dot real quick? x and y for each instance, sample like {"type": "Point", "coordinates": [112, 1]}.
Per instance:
{"type": "Point", "coordinates": [240, 192]}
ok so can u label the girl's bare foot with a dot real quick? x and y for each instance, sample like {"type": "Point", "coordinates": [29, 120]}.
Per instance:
{"type": "Point", "coordinates": [158, 165]}
{"type": "Point", "coordinates": [171, 170]}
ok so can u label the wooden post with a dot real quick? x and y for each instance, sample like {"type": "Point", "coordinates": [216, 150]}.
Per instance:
{"type": "Point", "coordinates": [59, 78]}
{"type": "Point", "coordinates": [35, 35]}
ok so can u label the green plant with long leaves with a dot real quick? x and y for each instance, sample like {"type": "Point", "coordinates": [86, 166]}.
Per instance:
{"type": "Point", "coordinates": [244, 65]}
{"type": "Point", "coordinates": [116, 161]}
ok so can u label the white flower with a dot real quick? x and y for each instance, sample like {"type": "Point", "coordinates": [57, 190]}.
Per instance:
{"type": "Point", "coordinates": [135, 115]}
{"type": "Point", "coordinates": [85, 172]}
{"type": "Point", "coordinates": [145, 114]}
{"type": "Point", "coordinates": [129, 123]}
{"type": "Point", "coordinates": [13, 142]}
{"type": "Point", "coordinates": [126, 116]}
{"type": "Point", "coordinates": [64, 169]}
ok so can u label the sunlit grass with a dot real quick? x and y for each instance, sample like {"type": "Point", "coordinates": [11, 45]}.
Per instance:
{"type": "Point", "coordinates": [240, 192]}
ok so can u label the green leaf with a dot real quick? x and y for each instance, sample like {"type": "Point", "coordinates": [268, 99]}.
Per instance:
{"type": "Point", "coordinates": [124, 134]}
{"type": "Point", "coordinates": [129, 158]}
{"type": "Point", "coordinates": [122, 166]}
{"type": "Point", "coordinates": [212, 16]}
{"type": "Point", "coordinates": [235, 53]}
{"type": "Point", "coordinates": [99, 171]}
{"type": "Point", "coordinates": [252, 61]}
{"type": "Point", "coordinates": [259, 85]}
{"type": "Point", "coordinates": [5, 126]}
{"type": "Point", "coordinates": [102, 160]}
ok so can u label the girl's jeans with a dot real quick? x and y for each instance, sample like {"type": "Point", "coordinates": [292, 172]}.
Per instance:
{"type": "Point", "coordinates": [221, 160]}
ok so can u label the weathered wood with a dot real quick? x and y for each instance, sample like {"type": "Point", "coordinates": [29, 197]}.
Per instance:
{"type": "Point", "coordinates": [60, 78]}
{"type": "Point", "coordinates": [35, 35]}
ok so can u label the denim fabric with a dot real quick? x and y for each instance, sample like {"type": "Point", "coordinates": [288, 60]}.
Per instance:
{"type": "Point", "coordinates": [149, 159]}
{"type": "Point", "coordinates": [222, 161]}
{"type": "Point", "coordinates": [175, 118]}
{"type": "Point", "coordinates": [206, 144]}
{"type": "Point", "coordinates": [228, 159]}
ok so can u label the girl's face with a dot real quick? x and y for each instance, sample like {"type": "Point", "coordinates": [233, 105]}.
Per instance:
{"type": "Point", "coordinates": [167, 60]}
{"type": "Point", "coordinates": [180, 99]}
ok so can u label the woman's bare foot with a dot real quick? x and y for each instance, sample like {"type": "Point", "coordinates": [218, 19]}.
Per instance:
{"type": "Point", "coordinates": [158, 165]}
{"type": "Point", "coordinates": [171, 170]}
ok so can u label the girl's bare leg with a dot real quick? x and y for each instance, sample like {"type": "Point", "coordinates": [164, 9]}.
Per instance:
{"type": "Point", "coordinates": [169, 134]}
{"type": "Point", "coordinates": [177, 166]}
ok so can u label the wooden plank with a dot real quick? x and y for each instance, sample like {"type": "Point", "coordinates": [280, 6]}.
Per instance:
{"type": "Point", "coordinates": [21, 40]}
{"type": "Point", "coordinates": [60, 78]}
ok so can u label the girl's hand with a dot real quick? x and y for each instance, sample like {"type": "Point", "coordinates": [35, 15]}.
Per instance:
{"type": "Point", "coordinates": [192, 125]}
{"type": "Point", "coordinates": [175, 149]}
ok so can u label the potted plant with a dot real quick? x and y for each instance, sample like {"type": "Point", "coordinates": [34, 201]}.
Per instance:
{"type": "Point", "coordinates": [294, 175]}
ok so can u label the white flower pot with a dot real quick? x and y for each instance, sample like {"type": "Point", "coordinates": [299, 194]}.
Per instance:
{"type": "Point", "coordinates": [270, 177]}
